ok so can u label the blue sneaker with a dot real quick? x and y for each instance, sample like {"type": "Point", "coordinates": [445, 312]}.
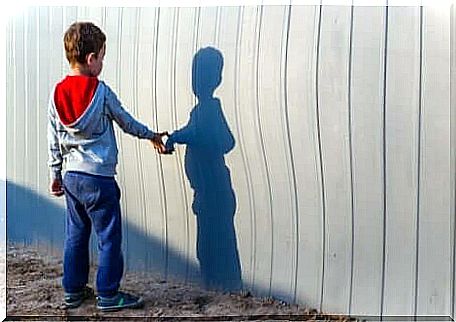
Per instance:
{"type": "Point", "coordinates": [119, 301]}
{"type": "Point", "coordinates": [73, 300]}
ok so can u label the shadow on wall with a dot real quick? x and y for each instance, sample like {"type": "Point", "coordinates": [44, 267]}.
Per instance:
{"type": "Point", "coordinates": [208, 138]}
{"type": "Point", "coordinates": [34, 219]}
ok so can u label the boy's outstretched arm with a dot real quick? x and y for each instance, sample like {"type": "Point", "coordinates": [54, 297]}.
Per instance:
{"type": "Point", "coordinates": [55, 159]}
{"type": "Point", "coordinates": [129, 124]}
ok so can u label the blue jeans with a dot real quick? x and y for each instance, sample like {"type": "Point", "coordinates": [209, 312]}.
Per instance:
{"type": "Point", "coordinates": [92, 200]}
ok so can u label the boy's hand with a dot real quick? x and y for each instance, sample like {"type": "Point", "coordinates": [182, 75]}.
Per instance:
{"type": "Point", "coordinates": [56, 188]}
{"type": "Point", "coordinates": [158, 143]}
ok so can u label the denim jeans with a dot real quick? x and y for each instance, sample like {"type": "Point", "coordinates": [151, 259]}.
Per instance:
{"type": "Point", "coordinates": [92, 201]}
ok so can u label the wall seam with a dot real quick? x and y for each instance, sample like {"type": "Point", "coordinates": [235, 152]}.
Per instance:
{"type": "Point", "coordinates": [350, 143]}
{"type": "Point", "coordinates": [260, 19]}
{"type": "Point", "coordinates": [317, 114]}
{"type": "Point", "coordinates": [382, 298]}
{"type": "Point", "coordinates": [420, 120]}
{"type": "Point", "coordinates": [291, 162]}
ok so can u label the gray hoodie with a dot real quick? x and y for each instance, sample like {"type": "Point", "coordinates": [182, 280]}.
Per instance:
{"type": "Point", "coordinates": [89, 143]}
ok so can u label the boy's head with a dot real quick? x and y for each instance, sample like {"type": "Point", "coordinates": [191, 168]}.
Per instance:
{"type": "Point", "coordinates": [85, 47]}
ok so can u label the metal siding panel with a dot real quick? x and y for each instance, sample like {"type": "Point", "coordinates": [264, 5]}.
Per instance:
{"type": "Point", "coordinates": [30, 113]}
{"type": "Point", "coordinates": [333, 115]}
{"type": "Point", "coordinates": [31, 107]}
{"type": "Point", "coordinates": [144, 82]}
{"type": "Point", "coordinates": [207, 27]}
{"type": "Point", "coordinates": [20, 98]}
{"type": "Point", "coordinates": [133, 192]}
{"type": "Point", "coordinates": [177, 206]}
{"type": "Point", "coordinates": [160, 225]}
{"type": "Point", "coordinates": [366, 111]}
{"type": "Point", "coordinates": [184, 102]}
{"type": "Point", "coordinates": [143, 146]}
{"type": "Point", "coordinates": [43, 87]}
{"type": "Point", "coordinates": [10, 99]}
{"type": "Point", "coordinates": [433, 287]}
{"type": "Point", "coordinates": [151, 220]}
{"type": "Point", "coordinates": [453, 152]}
{"type": "Point", "coordinates": [301, 104]}
{"type": "Point", "coordinates": [402, 98]}
{"type": "Point", "coordinates": [228, 42]}
{"type": "Point", "coordinates": [249, 127]}
{"type": "Point", "coordinates": [272, 125]}
{"type": "Point", "coordinates": [92, 14]}
{"type": "Point", "coordinates": [164, 101]}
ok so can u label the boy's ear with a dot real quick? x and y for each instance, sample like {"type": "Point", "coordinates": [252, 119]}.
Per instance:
{"type": "Point", "coordinates": [90, 58]}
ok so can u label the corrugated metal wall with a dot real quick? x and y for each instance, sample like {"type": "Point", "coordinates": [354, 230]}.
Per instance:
{"type": "Point", "coordinates": [341, 164]}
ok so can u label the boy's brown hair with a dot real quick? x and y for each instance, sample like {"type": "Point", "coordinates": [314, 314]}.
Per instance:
{"type": "Point", "coordinates": [81, 39]}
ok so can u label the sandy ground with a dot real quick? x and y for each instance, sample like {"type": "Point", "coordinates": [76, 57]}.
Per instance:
{"type": "Point", "coordinates": [34, 289]}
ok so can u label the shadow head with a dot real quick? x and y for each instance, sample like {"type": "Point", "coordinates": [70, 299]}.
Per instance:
{"type": "Point", "coordinates": [206, 71]}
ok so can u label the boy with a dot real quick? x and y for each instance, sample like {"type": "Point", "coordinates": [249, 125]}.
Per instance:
{"type": "Point", "coordinates": [80, 132]}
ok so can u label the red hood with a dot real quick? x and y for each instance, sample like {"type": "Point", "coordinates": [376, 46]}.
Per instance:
{"type": "Point", "coordinates": [72, 97]}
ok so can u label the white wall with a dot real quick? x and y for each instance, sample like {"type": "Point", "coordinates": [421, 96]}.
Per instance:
{"type": "Point", "coordinates": [342, 169]}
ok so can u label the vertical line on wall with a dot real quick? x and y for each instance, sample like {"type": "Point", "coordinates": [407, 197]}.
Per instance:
{"type": "Point", "coordinates": [187, 209]}
{"type": "Point", "coordinates": [172, 78]}
{"type": "Point", "coordinates": [38, 107]}
{"type": "Point", "coordinates": [240, 136]}
{"type": "Point", "coordinates": [217, 25]}
{"type": "Point", "coordinates": [350, 143]}
{"type": "Point", "coordinates": [103, 18]}
{"type": "Point", "coordinates": [182, 176]}
{"type": "Point", "coordinates": [158, 157]}
{"type": "Point", "coordinates": [198, 26]}
{"type": "Point", "coordinates": [64, 24]}
{"type": "Point", "coordinates": [26, 97]}
{"type": "Point", "coordinates": [196, 39]}
{"type": "Point", "coordinates": [173, 68]}
{"type": "Point", "coordinates": [452, 144]}
{"type": "Point", "coordinates": [263, 150]}
{"type": "Point", "coordinates": [138, 149]}
{"type": "Point", "coordinates": [13, 56]}
{"type": "Point", "coordinates": [178, 157]}
{"type": "Point", "coordinates": [291, 165]}
{"type": "Point", "coordinates": [14, 67]}
{"type": "Point", "coordinates": [385, 61]}
{"type": "Point", "coordinates": [9, 66]}
{"type": "Point", "coordinates": [420, 120]}
{"type": "Point", "coordinates": [196, 35]}
{"type": "Point", "coordinates": [119, 86]}
{"type": "Point", "coordinates": [323, 198]}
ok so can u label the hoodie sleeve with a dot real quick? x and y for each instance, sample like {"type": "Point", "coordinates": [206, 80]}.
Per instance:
{"type": "Point", "coordinates": [126, 122]}
{"type": "Point", "coordinates": [54, 154]}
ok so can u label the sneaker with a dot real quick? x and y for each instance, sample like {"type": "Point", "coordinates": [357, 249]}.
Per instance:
{"type": "Point", "coordinates": [120, 301]}
{"type": "Point", "coordinates": [73, 300]}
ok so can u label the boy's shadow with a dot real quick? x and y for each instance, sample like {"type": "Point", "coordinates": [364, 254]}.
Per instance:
{"type": "Point", "coordinates": [208, 138]}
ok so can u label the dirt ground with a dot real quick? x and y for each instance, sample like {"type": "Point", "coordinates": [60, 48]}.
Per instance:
{"type": "Point", "coordinates": [34, 290]}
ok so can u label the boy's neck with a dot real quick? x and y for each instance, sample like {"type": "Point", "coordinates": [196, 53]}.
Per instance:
{"type": "Point", "coordinates": [79, 70]}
